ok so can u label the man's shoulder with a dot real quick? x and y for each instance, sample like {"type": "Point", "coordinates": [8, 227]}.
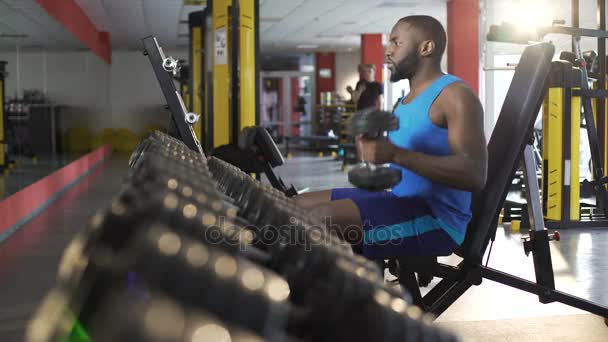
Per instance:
{"type": "Point", "coordinates": [456, 92]}
{"type": "Point", "coordinates": [459, 97]}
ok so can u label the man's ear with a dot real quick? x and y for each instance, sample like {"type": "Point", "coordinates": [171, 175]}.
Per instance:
{"type": "Point", "coordinates": [427, 48]}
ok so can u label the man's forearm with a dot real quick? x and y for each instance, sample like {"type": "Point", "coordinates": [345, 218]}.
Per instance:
{"type": "Point", "coordinates": [455, 171]}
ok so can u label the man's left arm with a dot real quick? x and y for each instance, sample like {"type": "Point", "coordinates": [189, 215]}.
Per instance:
{"type": "Point", "coordinates": [466, 167]}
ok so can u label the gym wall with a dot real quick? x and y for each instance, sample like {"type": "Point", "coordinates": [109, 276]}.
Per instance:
{"type": "Point", "coordinates": [135, 97]}
{"type": "Point", "coordinates": [346, 71]}
{"type": "Point", "coordinates": [122, 95]}
{"type": "Point", "coordinates": [78, 79]}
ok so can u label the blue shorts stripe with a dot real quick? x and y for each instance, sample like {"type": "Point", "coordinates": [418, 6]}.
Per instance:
{"type": "Point", "coordinates": [401, 230]}
{"type": "Point", "coordinates": [457, 236]}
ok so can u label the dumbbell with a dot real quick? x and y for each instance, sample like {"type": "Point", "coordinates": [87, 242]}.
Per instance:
{"type": "Point", "coordinates": [374, 311]}
{"type": "Point", "coordinates": [157, 317]}
{"type": "Point", "coordinates": [373, 124]}
{"type": "Point", "coordinates": [156, 165]}
{"type": "Point", "coordinates": [161, 143]}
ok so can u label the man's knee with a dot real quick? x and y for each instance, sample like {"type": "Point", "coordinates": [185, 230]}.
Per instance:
{"type": "Point", "coordinates": [311, 200]}
{"type": "Point", "coordinates": [321, 212]}
{"type": "Point", "coordinates": [341, 219]}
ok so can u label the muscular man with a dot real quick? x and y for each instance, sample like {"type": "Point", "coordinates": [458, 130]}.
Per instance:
{"type": "Point", "coordinates": [440, 148]}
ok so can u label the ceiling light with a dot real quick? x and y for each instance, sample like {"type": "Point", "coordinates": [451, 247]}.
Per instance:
{"type": "Point", "coordinates": [337, 36]}
{"type": "Point", "coordinates": [11, 35]}
{"type": "Point", "coordinates": [195, 3]}
{"type": "Point", "coordinates": [396, 4]}
{"type": "Point", "coordinates": [307, 46]}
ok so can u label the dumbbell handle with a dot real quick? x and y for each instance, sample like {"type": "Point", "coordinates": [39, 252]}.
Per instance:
{"type": "Point", "coordinates": [369, 165]}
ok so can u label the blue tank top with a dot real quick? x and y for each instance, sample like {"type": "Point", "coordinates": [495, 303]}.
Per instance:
{"type": "Point", "coordinates": [417, 132]}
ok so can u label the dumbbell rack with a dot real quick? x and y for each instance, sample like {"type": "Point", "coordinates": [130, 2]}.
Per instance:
{"type": "Point", "coordinates": [191, 244]}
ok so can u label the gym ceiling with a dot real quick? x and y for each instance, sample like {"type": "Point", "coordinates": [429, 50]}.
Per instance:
{"type": "Point", "coordinates": [285, 25]}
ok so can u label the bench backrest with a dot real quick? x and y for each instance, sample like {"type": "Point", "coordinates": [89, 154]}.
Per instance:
{"type": "Point", "coordinates": [505, 149]}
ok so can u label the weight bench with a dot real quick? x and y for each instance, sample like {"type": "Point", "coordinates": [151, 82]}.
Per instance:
{"type": "Point", "coordinates": [507, 146]}
{"type": "Point", "coordinates": [256, 153]}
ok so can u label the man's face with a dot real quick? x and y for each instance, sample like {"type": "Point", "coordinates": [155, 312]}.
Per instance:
{"type": "Point", "coordinates": [401, 54]}
{"type": "Point", "coordinates": [368, 74]}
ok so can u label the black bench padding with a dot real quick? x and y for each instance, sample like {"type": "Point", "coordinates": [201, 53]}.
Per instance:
{"type": "Point", "coordinates": [257, 140]}
{"type": "Point", "coordinates": [509, 138]}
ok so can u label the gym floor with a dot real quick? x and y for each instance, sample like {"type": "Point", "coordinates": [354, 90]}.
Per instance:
{"type": "Point", "coordinates": [489, 312]}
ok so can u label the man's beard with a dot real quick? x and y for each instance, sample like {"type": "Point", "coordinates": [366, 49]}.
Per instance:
{"type": "Point", "coordinates": [406, 69]}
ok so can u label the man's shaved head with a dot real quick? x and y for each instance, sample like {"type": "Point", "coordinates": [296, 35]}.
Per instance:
{"type": "Point", "coordinates": [414, 41]}
{"type": "Point", "coordinates": [428, 28]}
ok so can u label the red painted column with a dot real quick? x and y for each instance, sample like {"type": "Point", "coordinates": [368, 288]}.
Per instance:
{"type": "Point", "coordinates": [325, 72]}
{"type": "Point", "coordinates": [73, 18]}
{"type": "Point", "coordinates": [463, 41]}
{"type": "Point", "coordinates": [372, 52]}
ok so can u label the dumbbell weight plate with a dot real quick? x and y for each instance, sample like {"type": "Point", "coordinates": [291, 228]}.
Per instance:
{"type": "Point", "coordinates": [372, 122]}
{"type": "Point", "coordinates": [230, 287]}
{"type": "Point", "coordinates": [158, 318]}
{"type": "Point", "coordinates": [376, 179]}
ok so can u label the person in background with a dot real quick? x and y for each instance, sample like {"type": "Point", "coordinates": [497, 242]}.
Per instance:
{"type": "Point", "coordinates": [368, 93]}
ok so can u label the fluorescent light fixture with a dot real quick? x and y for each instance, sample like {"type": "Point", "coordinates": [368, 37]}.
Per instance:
{"type": "Point", "coordinates": [397, 4]}
{"type": "Point", "coordinates": [13, 35]}
{"type": "Point", "coordinates": [307, 46]}
{"type": "Point", "coordinates": [337, 36]}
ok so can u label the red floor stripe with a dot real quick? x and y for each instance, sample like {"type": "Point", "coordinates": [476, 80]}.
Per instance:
{"type": "Point", "coordinates": [21, 204]}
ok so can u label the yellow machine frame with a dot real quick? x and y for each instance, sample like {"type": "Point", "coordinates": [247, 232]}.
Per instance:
{"type": "Point", "coordinates": [234, 75]}
{"type": "Point", "coordinates": [195, 100]}
{"type": "Point", "coordinates": [561, 147]}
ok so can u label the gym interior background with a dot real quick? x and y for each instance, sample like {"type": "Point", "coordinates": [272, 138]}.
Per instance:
{"type": "Point", "coordinates": [80, 102]}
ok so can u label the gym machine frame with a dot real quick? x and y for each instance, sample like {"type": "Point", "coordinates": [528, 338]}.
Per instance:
{"type": "Point", "coordinates": [181, 120]}
{"type": "Point", "coordinates": [596, 128]}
